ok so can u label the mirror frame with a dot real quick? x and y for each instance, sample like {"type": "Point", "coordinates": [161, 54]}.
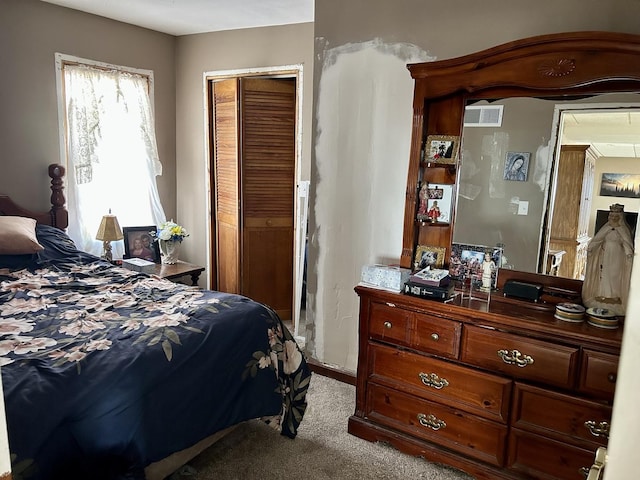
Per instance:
{"type": "Point", "coordinates": [568, 65]}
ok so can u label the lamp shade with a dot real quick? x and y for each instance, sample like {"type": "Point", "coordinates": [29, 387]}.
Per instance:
{"type": "Point", "coordinates": [109, 230]}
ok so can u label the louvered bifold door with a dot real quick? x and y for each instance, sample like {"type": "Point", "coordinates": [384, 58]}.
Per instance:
{"type": "Point", "coordinates": [267, 149]}
{"type": "Point", "coordinates": [227, 194]}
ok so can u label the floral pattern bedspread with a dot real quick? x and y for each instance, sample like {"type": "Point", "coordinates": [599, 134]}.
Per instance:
{"type": "Point", "coordinates": [108, 370]}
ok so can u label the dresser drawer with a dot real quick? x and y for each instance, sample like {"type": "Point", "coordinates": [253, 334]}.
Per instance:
{"type": "Point", "coordinates": [546, 459]}
{"type": "Point", "coordinates": [390, 323]}
{"type": "Point", "coordinates": [437, 335]}
{"type": "Point", "coordinates": [564, 417]}
{"type": "Point", "coordinates": [474, 436]}
{"type": "Point", "coordinates": [598, 374]}
{"type": "Point", "coordinates": [519, 357]}
{"type": "Point", "coordinates": [460, 387]}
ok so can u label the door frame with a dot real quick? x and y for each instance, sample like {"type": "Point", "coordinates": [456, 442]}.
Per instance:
{"type": "Point", "coordinates": [299, 207]}
{"type": "Point", "coordinates": [557, 126]}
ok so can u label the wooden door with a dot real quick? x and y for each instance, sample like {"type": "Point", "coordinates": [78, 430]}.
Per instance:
{"type": "Point", "coordinates": [226, 180]}
{"type": "Point", "coordinates": [260, 182]}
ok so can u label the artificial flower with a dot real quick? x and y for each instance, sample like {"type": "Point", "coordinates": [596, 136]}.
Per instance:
{"type": "Point", "coordinates": [171, 231]}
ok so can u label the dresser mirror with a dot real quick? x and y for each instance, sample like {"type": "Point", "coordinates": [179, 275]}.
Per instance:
{"type": "Point", "coordinates": [536, 81]}
{"type": "Point", "coordinates": [516, 209]}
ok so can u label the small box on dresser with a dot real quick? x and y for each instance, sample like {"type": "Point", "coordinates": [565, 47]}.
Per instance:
{"type": "Point", "coordinates": [386, 277]}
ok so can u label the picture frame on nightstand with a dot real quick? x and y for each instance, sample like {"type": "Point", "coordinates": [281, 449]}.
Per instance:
{"type": "Point", "coordinates": [139, 243]}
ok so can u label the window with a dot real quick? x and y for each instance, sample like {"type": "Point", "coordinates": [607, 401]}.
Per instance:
{"type": "Point", "coordinates": [110, 147]}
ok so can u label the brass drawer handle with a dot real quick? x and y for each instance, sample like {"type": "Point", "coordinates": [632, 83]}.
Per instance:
{"type": "Point", "coordinates": [388, 324]}
{"type": "Point", "coordinates": [611, 377]}
{"type": "Point", "coordinates": [435, 337]}
{"type": "Point", "coordinates": [600, 429]}
{"type": "Point", "coordinates": [431, 421]}
{"type": "Point", "coordinates": [433, 380]}
{"type": "Point", "coordinates": [514, 357]}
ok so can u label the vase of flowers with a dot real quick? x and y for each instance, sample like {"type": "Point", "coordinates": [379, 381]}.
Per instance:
{"type": "Point", "coordinates": [170, 236]}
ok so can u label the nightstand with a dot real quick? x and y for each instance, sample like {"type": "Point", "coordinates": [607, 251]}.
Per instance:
{"type": "Point", "coordinates": [180, 269]}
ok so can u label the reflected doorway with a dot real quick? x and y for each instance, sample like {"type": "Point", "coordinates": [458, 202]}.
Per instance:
{"type": "Point", "coordinates": [599, 139]}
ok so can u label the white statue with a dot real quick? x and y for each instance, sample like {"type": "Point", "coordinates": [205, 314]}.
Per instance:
{"type": "Point", "coordinates": [488, 267]}
{"type": "Point", "coordinates": [609, 260]}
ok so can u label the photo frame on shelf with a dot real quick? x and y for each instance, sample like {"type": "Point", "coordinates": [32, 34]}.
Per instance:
{"type": "Point", "coordinates": [429, 256]}
{"type": "Point", "coordinates": [441, 149]}
{"type": "Point", "coordinates": [516, 166]}
{"type": "Point", "coordinates": [139, 243]}
{"type": "Point", "coordinates": [435, 203]}
{"type": "Point", "coordinates": [466, 262]}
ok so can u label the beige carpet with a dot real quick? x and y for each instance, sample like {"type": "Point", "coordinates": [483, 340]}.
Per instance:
{"type": "Point", "coordinates": [322, 450]}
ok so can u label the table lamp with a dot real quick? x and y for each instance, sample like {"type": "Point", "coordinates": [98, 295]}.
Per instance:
{"type": "Point", "coordinates": [109, 231]}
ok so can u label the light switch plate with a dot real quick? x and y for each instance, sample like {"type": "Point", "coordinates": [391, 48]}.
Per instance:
{"type": "Point", "coordinates": [523, 208]}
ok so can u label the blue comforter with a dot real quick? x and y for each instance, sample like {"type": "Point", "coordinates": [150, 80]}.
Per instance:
{"type": "Point", "coordinates": [106, 370]}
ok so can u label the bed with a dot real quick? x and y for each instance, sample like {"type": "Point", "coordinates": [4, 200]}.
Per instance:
{"type": "Point", "coordinates": [107, 372]}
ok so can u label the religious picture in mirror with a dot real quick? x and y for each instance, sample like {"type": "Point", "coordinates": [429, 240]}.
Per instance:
{"type": "Point", "coordinates": [516, 166]}
{"type": "Point", "coordinates": [441, 148]}
{"type": "Point", "coordinates": [435, 203]}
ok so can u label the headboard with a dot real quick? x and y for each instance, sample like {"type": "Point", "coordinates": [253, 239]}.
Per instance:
{"type": "Point", "coordinates": [57, 216]}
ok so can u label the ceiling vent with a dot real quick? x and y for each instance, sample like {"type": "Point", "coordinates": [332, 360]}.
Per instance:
{"type": "Point", "coordinates": [483, 116]}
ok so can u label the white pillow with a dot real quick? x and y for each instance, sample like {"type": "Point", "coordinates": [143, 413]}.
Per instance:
{"type": "Point", "coordinates": [18, 236]}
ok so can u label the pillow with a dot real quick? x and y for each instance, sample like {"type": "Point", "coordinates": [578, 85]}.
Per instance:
{"type": "Point", "coordinates": [18, 236]}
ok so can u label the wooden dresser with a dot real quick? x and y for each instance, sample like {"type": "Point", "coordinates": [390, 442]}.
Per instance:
{"type": "Point", "coordinates": [498, 390]}
{"type": "Point", "coordinates": [501, 388]}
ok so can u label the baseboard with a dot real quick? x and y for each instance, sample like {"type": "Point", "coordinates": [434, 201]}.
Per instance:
{"type": "Point", "coordinates": [332, 372]}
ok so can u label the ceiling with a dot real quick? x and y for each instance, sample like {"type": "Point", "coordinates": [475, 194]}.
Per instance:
{"type": "Point", "coordinates": [185, 17]}
{"type": "Point", "coordinates": [610, 133]}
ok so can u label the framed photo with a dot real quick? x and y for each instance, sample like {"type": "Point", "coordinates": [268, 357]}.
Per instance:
{"type": "Point", "coordinates": [138, 243]}
{"type": "Point", "coordinates": [466, 262]}
{"type": "Point", "coordinates": [427, 256]}
{"type": "Point", "coordinates": [620, 185]}
{"type": "Point", "coordinates": [441, 148]}
{"type": "Point", "coordinates": [516, 166]}
{"type": "Point", "coordinates": [435, 203]}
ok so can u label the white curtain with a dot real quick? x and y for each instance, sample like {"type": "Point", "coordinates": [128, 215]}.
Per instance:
{"type": "Point", "coordinates": [112, 153]}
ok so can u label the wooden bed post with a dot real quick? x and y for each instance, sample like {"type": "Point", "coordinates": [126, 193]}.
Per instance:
{"type": "Point", "coordinates": [59, 213]}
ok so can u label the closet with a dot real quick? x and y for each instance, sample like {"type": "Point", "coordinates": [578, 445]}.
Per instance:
{"type": "Point", "coordinates": [253, 121]}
